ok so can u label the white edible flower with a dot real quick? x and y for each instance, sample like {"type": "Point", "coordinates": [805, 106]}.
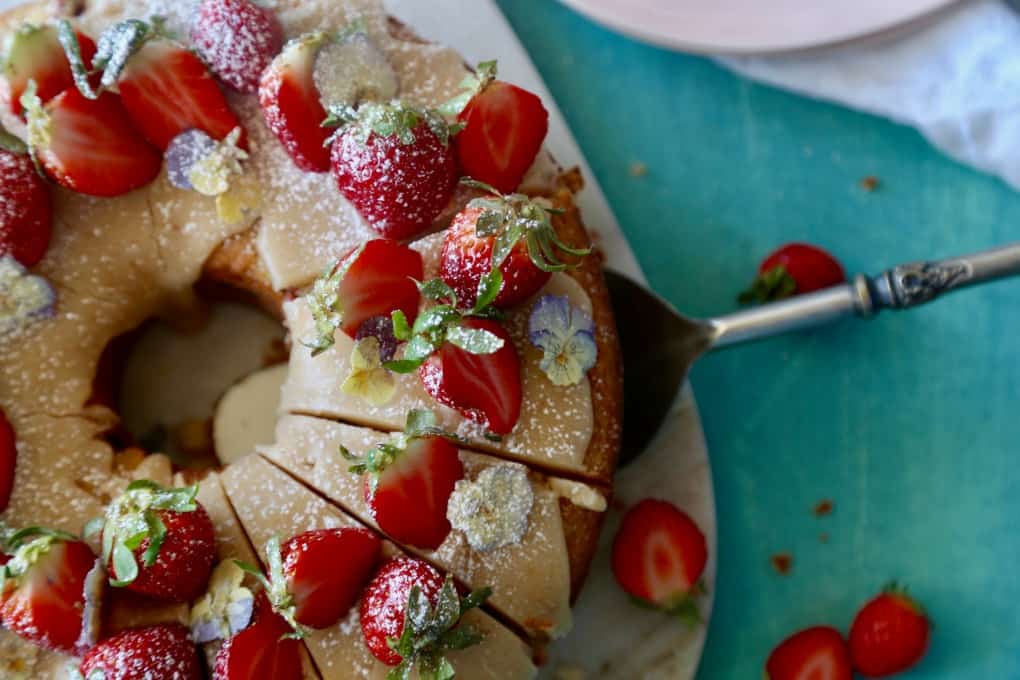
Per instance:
{"type": "Point", "coordinates": [24, 297]}
{"type": "Point", "coordinates": [492, 510]}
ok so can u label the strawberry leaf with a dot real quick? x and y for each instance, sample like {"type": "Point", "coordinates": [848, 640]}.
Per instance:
{"type": "Point", "coordinates": [9, 142]}
{"type": "Point", "coordinates": [324, 303]}
{"type": "Point", "coordinates": [157, 534]}
{"type": "Point", "coordinates": [429, 631]}
{"type": "Point", "coordinates": [124, 565]}
{"type": "Point", "coordinates": [69, 41]}
{"type": "Point", "coordinates": [472, 84]}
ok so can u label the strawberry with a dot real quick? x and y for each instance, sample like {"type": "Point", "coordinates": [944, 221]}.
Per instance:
{"type": "Point", "coordinates": [659, 555]}
{"type": "Point", "coordinates": [794, 269]}
{"type": "Point", "coordinates": [485, 388]}
{"type": "Point", "coordinates": [501, 250]}
{"type": "Point", "coordinates": [395, 165]}
{"type": "Point", "coordinates": [238, 39]}
{"type": "Point", "coordinates": [264, 649]}
{"type": "Point", "coordinates": [316, 577]}
{"type": "Point", "coordinates": [35, 53]}
{"type": "Point", "coordinates": [162, 652]}
{"type": "Point", "coordinates": [90, 146]}
{"type": "Point", "coordinates": [889, 634]}
{"type": "Point", "coordinates": [374, 280]}
{"type": "Point", "coordinates": [8, 460]}
{"type": "Point", "coordinates": [42, 592]}
{"type": "Point", "coordinates": [26, 213]}
{"type": "Point", "coordinates": [504, 127]}
{"type": "Point", "coordinates": [157, 542]}
{"type": "Point", "coordinates": [291, 104]}
{"type": "Point", "coordinates": [409, 481]}
{"type": "Point", "coordinates": [166, 90]}
{"type": "Point", "coordinates": [813, 654]}
{"type": "Point", "coordinates": [409, 615]}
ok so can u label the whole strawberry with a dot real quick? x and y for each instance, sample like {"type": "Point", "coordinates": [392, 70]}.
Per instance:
{"type": "Point", "coordinates": [238, 39]}
{"type": "Point", "coordinates": [889, 634]}
{"type": "Point", "coordinates": [26, 215]}
{"type": "Point", "coordinates": [42, 589]}
{"type": "Point", "coordinates": [410, 616]}
{"type": "Point", "coordinates": [163, 652]}
{"type": "Point", "coordinates": [476, 269]}
{"type": "Point", "coordinates": [394, 163]}
{"type": "Point", "coordinates": [794, 269]}
{"type": "Point", "coordinates": [157, 542]}
{"type": "Point", "coordinates": [659, 555]}
{"type": "Point", "coordinates": [317, 576]}
{"type": "Point", "coordinates": [817, 653]}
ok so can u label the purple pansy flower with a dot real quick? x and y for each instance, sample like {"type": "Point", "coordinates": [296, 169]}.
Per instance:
{"type": "Point", "coordinates": [566, 336]}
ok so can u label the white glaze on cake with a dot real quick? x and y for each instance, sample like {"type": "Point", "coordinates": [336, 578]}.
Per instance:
{"type": "Point", "coordinates": [556, 422]}
{"type": "Point", "coordinates": [530, 580]}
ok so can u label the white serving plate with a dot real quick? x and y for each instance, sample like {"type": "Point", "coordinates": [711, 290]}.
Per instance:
{"type": "Point", "coordinates": [755, 26]}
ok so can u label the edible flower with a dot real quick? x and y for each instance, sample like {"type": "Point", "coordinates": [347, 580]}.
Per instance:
{"type": "Point", "coordinates": [225, 609]}
{"type": "Point", "coordinates": [566, 336]}
{"type": "Point", "coordinates": [24, 297]}
{"type": "Point", "coordinates": [197, 162]}
{"type": "Point", "coordinates": [368, 378]}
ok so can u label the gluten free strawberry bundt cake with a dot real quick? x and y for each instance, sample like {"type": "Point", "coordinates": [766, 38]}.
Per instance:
{"type": "Point", "coordinates": [450, 417]}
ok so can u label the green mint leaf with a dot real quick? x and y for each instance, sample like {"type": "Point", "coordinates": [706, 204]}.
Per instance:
{"type": "Point", "coordinates": [157, 534]}
{"type": "Point", "coordinates": [93, 527]}
{"type": "Point", "coordinates": [437, 290]}
{"type": "Point", "coordinates": [435, 319]}
{"type": "Point", "coordinates": [402, 366]}
{"type": "Point", "coordinates": [461, 638]}
{"type": "Point", "coordinates": [488, 289]}
{"type": "Point", "coordinates": [474, 340]}
{"type": "Point", "coordinates": [476, 598]}
{"type": "Point", "coordinates": [401, 672]}
{"type": "Point", "coordinates": [124, 566]}
{"type": "Point", "coordinates": [401, 329]}
{"type": "Point", "coordinates": [118, 43]}
{"type": "Point", "coordinates": [418, 349]}
{"type": "Point", "coordinates": [72, 49]}
{"type": "Point", "coordinates": [447, 610]}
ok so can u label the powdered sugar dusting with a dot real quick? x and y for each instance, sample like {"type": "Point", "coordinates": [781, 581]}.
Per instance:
{"type": "Point", "coordinates": [530, 579]}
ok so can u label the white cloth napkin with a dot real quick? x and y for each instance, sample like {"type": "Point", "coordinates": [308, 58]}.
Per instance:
{"type": "Point", "coordinates": [957, 81]}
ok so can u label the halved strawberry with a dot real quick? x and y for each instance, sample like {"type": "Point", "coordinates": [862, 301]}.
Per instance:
{"type": "Point", "coordinates": [90, 146]}
{"type": "Point", "coordinates": [817, 653]}
{"type": "Point", "coordinates": [35, 53]}
{"type": "Point", "coordinates": [505, 126]}
{"type": "Point", "coordinates": [262, 650]}
{"type": "Point", "coordinates": [160, 652]}
{"type": "Point", "coordinates": [26, 213]}
{"type": "Point", "coordinates": [408, 498]}
{"type": "Point", "coordinates": [42, 597]}
{"type": "Point", "coordinates": [8, 460]}
{"type": "Point", "coordinates": [238, 39]}
{"type": "Point", "coordinates": [484, 387]}
{"type": "Point", "coordinates": [158, 542]}
{"type": "Point", "coordinates": [291, 104]}
{"type": "Point", "coordinates": [410, 616]}
{"type": "Point", "coordinates": [166, 90]}
{"type": "Point", "coordinates": [659, 554]}
{"type": "Point", "coordinates": [317, 576]}
{"type": "Point", "coordinates": [371, 281]}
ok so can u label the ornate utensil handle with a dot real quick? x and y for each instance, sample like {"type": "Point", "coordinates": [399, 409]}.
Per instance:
{"type": "Point", "coordinates": [901, 287]}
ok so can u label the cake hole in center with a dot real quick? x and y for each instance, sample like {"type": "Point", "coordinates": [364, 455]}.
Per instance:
{"type": "Point", "coordinates": [203, 396]}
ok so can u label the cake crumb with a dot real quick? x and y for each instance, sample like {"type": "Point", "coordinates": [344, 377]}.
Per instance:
{"type": "Point", "coordinates": [782, 563]}
{"type": "Point", "coordinates": [638, 169]}
{"type": "Point", "coordinates": [870, 183]}
{"type": "Point", "coordinates": [823, 507]}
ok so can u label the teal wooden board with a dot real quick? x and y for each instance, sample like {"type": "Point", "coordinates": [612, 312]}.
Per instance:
{"type": "Point", "coordinates": [908, 422]}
